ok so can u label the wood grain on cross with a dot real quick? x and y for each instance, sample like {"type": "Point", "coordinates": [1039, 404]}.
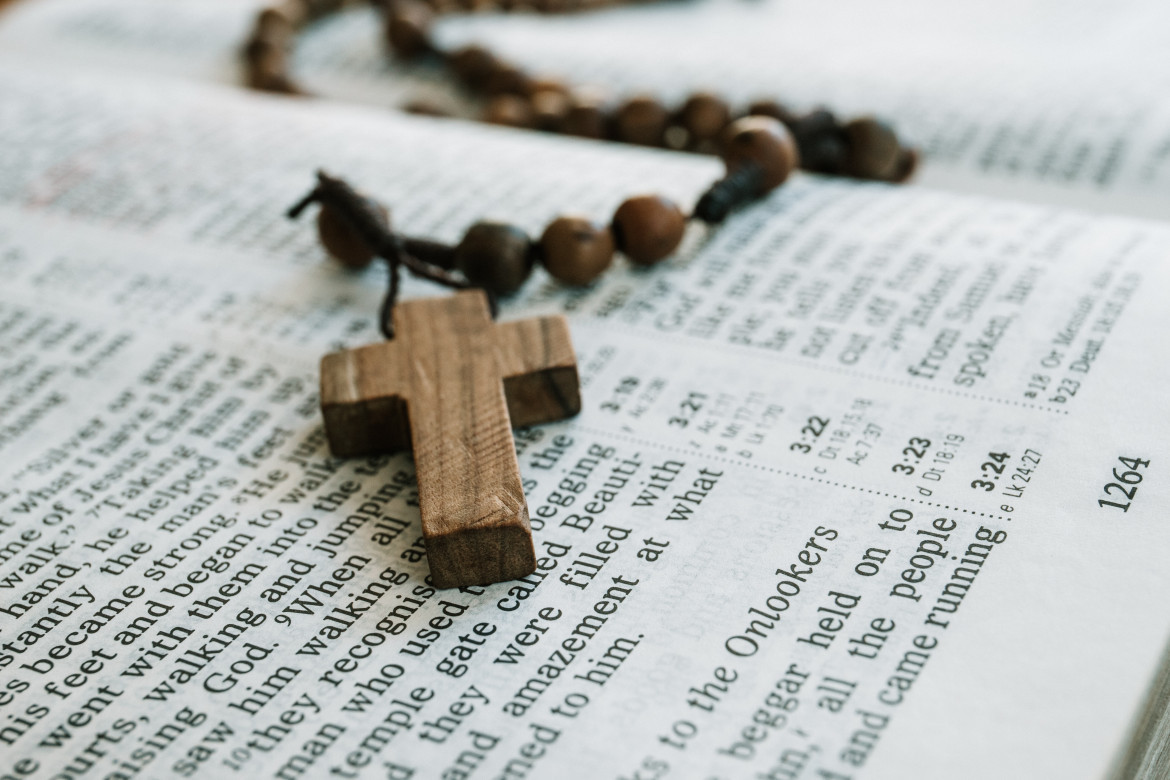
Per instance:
{"type": "Point", "coordinates": [450, 386]}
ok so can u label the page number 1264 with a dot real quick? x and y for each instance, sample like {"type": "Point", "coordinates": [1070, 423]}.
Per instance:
{"type": "Point", "coordinates": [1126, 478]}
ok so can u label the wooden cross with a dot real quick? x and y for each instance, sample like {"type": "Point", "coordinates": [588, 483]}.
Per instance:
{"type": "Point", "coordinates": [450, 386]}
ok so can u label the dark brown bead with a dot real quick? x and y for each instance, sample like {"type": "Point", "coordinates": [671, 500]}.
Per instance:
{"type": "Point", "coordinates": [908, 160]}
{"type": "Point", "coordinates": [547, 85]}
{"type": "Point", "coordinates": [507, 80]}
{"type": "Point", "coordinates": [315, 9]}
{"type": "Point", "coordinates": [549, 109]}
{"type": "Point", "coordinates": [815, 123]}
{"type": "Point", "coordinates": [873, 149]}
{"type": "Point", "coordinates": [274, 24]}
{"type": "Point", "coordinates": [641, 120]}
{"type": "Point", "coordinates": [704, 116]}
{"type": "Point", "coordinates": [765, 142]}
{"type": "Point", "coordinates": [586, 118]}
{"type": "Point", "coordinates": [284, 12]}
{"type": "Point", "coordinates": [826, 153]}
{"type": "Point", "coordinates": [648, 228]}
{"type": "Point", "coordinates": [424, 107]}
{"type": "Point", "coordinates": [342, 241]}
{"type": "Point", "coordinates": [408, 28]}
{"type": "Point", "coordinates": [773, 109]}
{"type": "Point", "coordinates": [267, 66]}
{"type": "Point", "coordinates": [576, 250]}
{"type": "Point", "coordinates": [509, 111]}
{"type": "Point", "coordinates": [495, 256]}
{"type": "Point", "coordinates": [473, 65]}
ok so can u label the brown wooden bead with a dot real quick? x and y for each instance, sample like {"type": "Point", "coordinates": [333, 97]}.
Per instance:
{"type": "Point", "coordinates": [315, 9]}
{"type": "Point", "coordinates": [576, 250]}
{"type": "Point", "coordinates": [425, 107]}
{"type": "Point", "coordinates": [342, 241]}
{"type": "Point", "coordinates": [495, 256]}
{"type": "Point", "coordinates": [814, 125]}
{"type": "Point", "coordinates": [873, 149]}
{"type": "Point", "coordinates": [473, 65]}
{"type": "Point", "coordinates": [408, 28]}
{"type": "Point", "coordinates": [546, 84]}
{"type": "Point", "coordinates": [704, 116]}
{"type": "Point", "coordinates": [441, 7]}
{"type": "Point", "coordinates": [267, 66]}
{"type": "Point", "coordinates": [549, 109]}
{"type": "Point", "coordinates": [274, 24]}
{"type": "Point", "coordinates": [292, 12]}
{"type": "Point", "coordinates": [641, 120]}
{"type": "Point", "coordinates": [507, 80]}
{"type": "Point", "coordinates": [586, 118]}
{"type": "Point", "coordinates": [773, 109]}
{"type": "Point", "coordinates": [825, 153]}
{"type": "Point", "coordinates": [648, 228]}
{"type": "Point", "coordinates": [509, 111]}
{"type": "Point", "coordinates": [908, 160]}
{"type": "Point", "coordinates": [765, 142]}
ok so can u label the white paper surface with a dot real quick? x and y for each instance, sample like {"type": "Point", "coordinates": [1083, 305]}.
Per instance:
{"type": "Point", "coordinates": [161, 323]}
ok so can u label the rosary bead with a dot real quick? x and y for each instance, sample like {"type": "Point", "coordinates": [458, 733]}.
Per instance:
{"type": "Point", "coordinates": [872, 149]}
{"type": "Point", "coordinates": [908, 160]}
{"type": "Point", "coordinates": [291, 12]}
{"type": "Point", "coordinates": [549, 109]}
{"type": "Point", "coordinates": [704, 116]}
{"type": "Point", "coordinates": [315, 9]}
{"type": "Point", "coordinates": [495, 256]}
{"type": "Point", "coordinates": [268, 66]}
{"type": "Point", "coordinates": [826, 153]}
{"type": "Point", "coordinates": [576, 250]}
{"type": "Point", "coordinates": [585, 118]}
{"type": "Point", "coordinates": [473, 65]}
{"type": "Point", "coordinates": [424, 107]}
{"type": "Point", "coordinates": [765, 142]}
{"type": "Point", "coordinates": [273, 24]}
{"type": "Point", "coordinates": [342, 241]}
{"type": "Point", "coordinates": [815, 123]}
{"type": "Point", "coordinates": [773, 109]}
{"type": "Point", "coordinates": [408, 28]}
{"type": "Point", "coordinates": [547, 85]}
{"type": "Point", "coordinates": [641, 120]}
{"type": "Point", "coordinates": [507, 80]}
{"type": "Point", "coordinates": [648, 228]}
{"type": "Point", "coordinates": [509, 111]}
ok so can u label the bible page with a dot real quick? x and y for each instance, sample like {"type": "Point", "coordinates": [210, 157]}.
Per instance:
{"type": "Point", "coordinates": [868, 483]}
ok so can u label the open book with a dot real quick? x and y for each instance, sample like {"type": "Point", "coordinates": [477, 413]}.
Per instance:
{"type": "Point", "coordinates": [869, 482]}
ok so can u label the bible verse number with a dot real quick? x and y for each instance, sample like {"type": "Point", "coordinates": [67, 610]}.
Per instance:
{"type": "Point", "coordinates": [990, 470]}
{"type": "Point", "coordinates": [1126, 478]}
{"type": "Point", "coordinates": [809, 434]}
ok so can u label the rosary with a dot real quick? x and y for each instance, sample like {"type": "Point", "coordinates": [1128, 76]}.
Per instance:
{"type": "Point", "coordinates": [449, 383]}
